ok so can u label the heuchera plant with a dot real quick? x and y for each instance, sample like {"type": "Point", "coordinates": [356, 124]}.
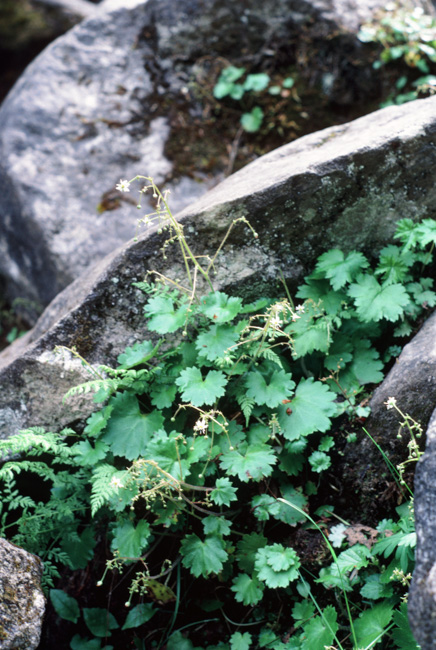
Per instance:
{"type": "Point", "coordinates": [215, 434]}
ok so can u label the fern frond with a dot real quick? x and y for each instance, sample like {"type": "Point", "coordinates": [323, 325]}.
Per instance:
{"type": "Point", "coordinates": [269, 354]}
{"type": "Point", "coordinates": [102, 491]}
{"type": "Point", "coordinates": [247, 405]}
{"type": "Point", "coordinates": [109, 385]}
{"type": "Point", "coordinates": [12, 468]}
{"type": "Point", "coordinates": [49, 575]}
{"type": "Point", "coordinates": [34, 442]}
{"type": "Point", "coordinates": [24, 502]}
{"type": "Point", "coordinates": [146, 287]}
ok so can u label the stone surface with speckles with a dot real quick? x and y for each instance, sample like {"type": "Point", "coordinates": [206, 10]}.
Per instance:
{"type": "Point", "coordinates": [22, 602]}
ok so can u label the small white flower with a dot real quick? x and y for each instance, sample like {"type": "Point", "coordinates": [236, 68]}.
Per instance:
{"type": "Point", "coordinates": [201, 425]}
{"type": "Point", "coordinates": [123, 186]}
{"type": "Point", "coordinates": [299, 309]}
{"type": "Point", "coordinates": [295, 317]}
{"type": "Point", "coordinates": [275, 322]}
{"type": "Point", "coordinates": [391, 403]}
{"type": "Point", "coordinates": [116, 483]}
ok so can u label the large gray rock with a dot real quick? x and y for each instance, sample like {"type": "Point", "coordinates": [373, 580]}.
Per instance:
{"type": "Point", "coordinates": [422, 596]}
{"type": "Point", "coordinates": [22, 603]}
{"type": "Point", "coordinates": [412, 381]}
{"type": "Point", "coordinates": [93, 107]}
{"type": "Point", "coordinates": [63, 148]}
{"type": "Point", "coordinates": [342, 187]}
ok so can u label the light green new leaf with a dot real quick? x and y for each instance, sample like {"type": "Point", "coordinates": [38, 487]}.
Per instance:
{"type": "Point", "coordinates": [224, 492]}
{"type": "Point", "coordinates": [280, 558]}
{"type": "Point", "coordinates": [203, 557]}
{"type": "Point", "coordinates": [201, 391]}
{"type": "Point", "coordinates": [372, 623]}
{"type": "Point", "coordinates": [252, 121]}
{"type": "Point", "coordinates": [65, 606]}
{"type": "Point", "coordinates": [255, 462]}
{"type": "Point", "coordinates": [163, 316]}
{"type": "Point", "coordinates": [137, 354]}
{"type": "Point", "coordinates": [340, 269]}
{"type": "Point", "coordinates": [213, 343]}
{"type": "Point", "coordinates": [326, 443]}
{"type": "Point", "coordinates": [319, 461]}
{"type": "Point", "coordinates": [319, 632]}
{"type": "Point", "coordinates": [269, 386]}
{"type": "Point", "coordinates": [312, 407]}
{"type": "Point", "coordinates": [276, 565]}
{"type": "Point", "coordinates": [130, 540]}
{"type": "Point", "coordinates": [220, 307]}
{"type": "Point", "coordinates": [128, 430]}
{"type": "Point", "coordinates": [240, 641]}
{"type": "Point", "coordinates": [226, 82]}
{"type": "Point", "coordinates": [248, 591]}
{"type": "Point", "coordinates": [139, 615]}
{"type": "Point", "coordinates": [257, 82]}
{"type": "Point", "coordinates": [375, 301]}
{"type": "Point", "coordinates": [99, 621]}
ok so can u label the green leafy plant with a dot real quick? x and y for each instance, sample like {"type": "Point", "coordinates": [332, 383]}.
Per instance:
{"type": "Point", "coordinates": [210, 446]}
{"type": "Point", "coordinates": [407, 34]}
{"type": "Point", "coordinates": [235, 84]}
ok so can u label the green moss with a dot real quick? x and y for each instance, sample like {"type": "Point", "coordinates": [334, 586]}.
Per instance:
{"type": "Point", "coordinates": [20, 23]}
